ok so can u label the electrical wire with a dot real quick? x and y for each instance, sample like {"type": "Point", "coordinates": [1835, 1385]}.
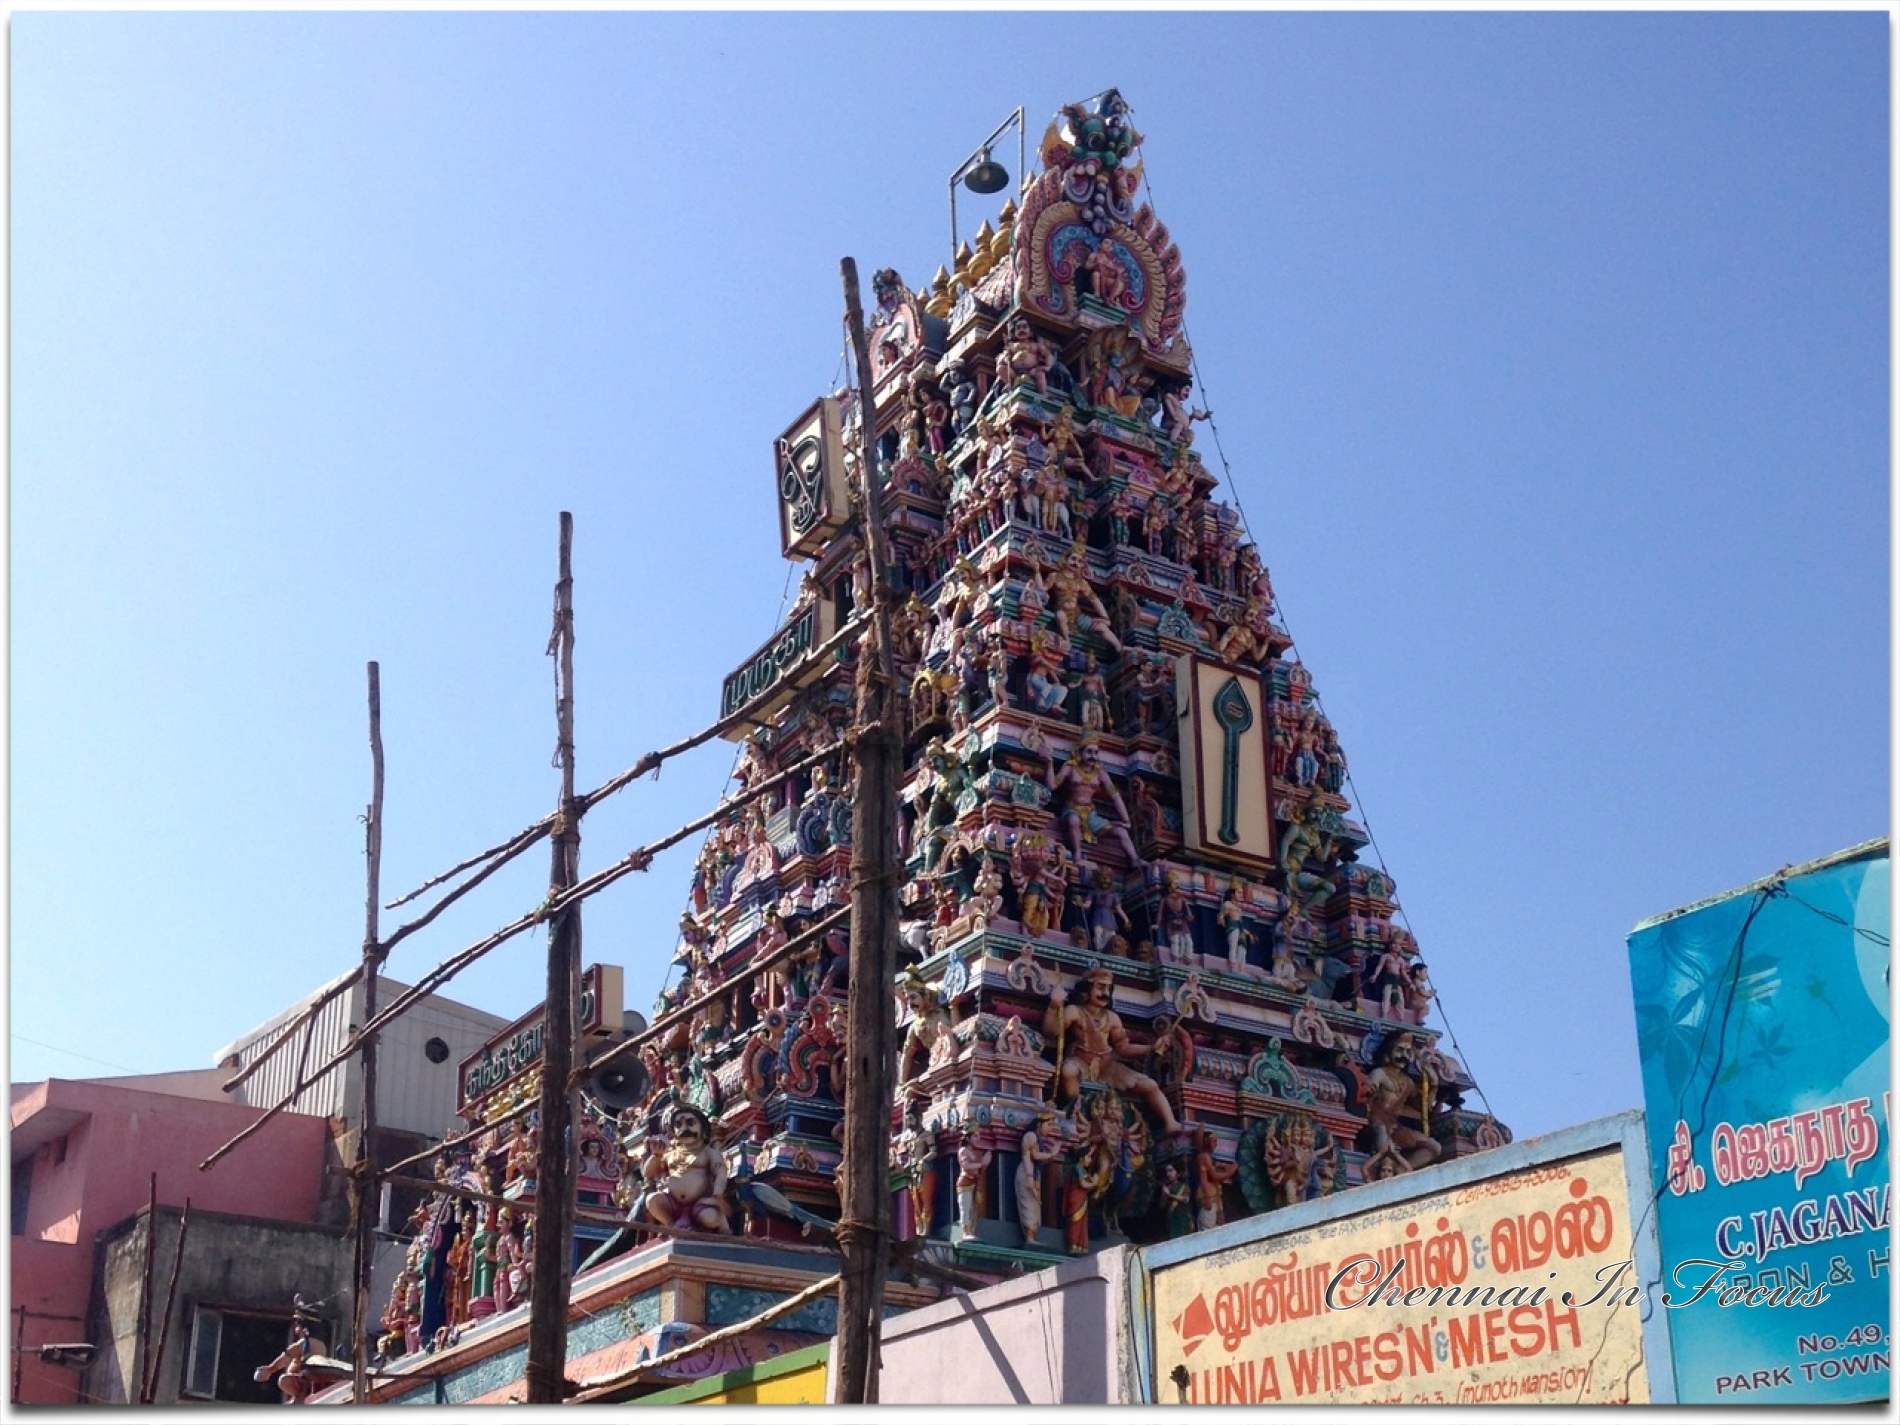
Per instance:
{"type": "Point", "coordinates": [38, 1044]}
{"type": "Point", "coordinates": [1731, 979]}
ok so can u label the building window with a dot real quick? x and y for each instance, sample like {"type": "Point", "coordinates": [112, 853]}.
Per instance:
{"type": "Point", "coordinates": [226, 1349]}
{"type": "Point", "coordinates": [22, 1194]}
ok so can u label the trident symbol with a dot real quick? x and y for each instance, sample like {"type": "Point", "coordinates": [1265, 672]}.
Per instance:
{"type": "Point", "coordinates": [1235, 715]}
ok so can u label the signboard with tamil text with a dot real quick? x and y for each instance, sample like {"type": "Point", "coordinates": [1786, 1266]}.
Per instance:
{"type": "Point", "coordinates": [518, 1048]}
{"type": "Point", "coordinates": [1520, 1287]}
{"type": "Point", "coordinates": [1763, 1024]}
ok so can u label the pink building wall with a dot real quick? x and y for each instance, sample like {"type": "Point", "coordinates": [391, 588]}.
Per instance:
{"type": "Point", "coordinates": [93, 1148]}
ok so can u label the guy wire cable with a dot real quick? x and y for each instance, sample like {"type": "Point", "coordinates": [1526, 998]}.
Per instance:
{"type": "Point", "coordinates": [1358, 801]}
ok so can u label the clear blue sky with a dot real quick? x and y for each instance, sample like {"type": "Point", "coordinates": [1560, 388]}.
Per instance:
{"type": "Point", "coordinates": [1550, 354]}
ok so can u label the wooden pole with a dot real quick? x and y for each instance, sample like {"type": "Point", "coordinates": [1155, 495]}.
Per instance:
{"type": "Point", "coordinates": [144, 1354]}
{"type": "Point", "coordinates": [363, 1188]}
{"type": "Point", "coordinates": [149, 1386]}
{"type": "Point", "coordinates": [864, 1228]}
{"type": "Point", "coordinates": [554, 1176]}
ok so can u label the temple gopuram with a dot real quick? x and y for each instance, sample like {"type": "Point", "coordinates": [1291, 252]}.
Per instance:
{"type": "Point", "coordinates": [1147, 984]}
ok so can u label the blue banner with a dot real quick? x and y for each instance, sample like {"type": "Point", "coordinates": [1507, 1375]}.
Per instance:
{"type": "Point", "coordinates": [1762, 1019]}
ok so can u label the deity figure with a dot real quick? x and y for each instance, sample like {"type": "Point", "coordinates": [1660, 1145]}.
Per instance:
{"type": "Point", "coordinates": [1121, 509]}
{"type": "Point", "coordinates": [1301, 843]}
{"type": "Point", "coordinates": [971, 1161]}
{"type": "Point", "coordinates": [1172, 1055]}
{"type": "Point", "coordinates": [511, 1261]}
{"type": "Point", "coordinates": [948, 779]}
{"type": "Point", "coordinates": [1029, 867]}
{"type": "Point", "coordinates": [998, 667]}
{"type": "Point", "coordinates": [1114, 380]}
{"type": "Point", "coordinates": [1108, 281]}
{"type": "Point", "coordinates": [1089, 1171]}
{"type": "Point", "coordinates": [1156, 521]}
{"type": "Point", "coordinates": [405, 1294]}
{"type": "Point", "coordinates": [1025, 356]}
{"type": "Point", "coordinates": [1047, 654]}
{"type": "Point", "coordinates": [1177, 921]}
{"type": "Point", "coordinates": [772, 988]}
{"type": "Point", "coordinates": [1055, 501]}
{"type": "Point", "coordinates": [929, 1022]}
{"type": "Point", "coordinates": [1088, 784]}
{"type": "Point", "coordinates": [917, 1156]}
{"type": "Point", "coordinates": [485, 1259]}
{"type": "Point", "coordinates": [1419, 993]}
{"type": "Point", "coordinates": [1286, 967]}
{"type": "Point", "coordinates": [1297, 1166]}
{"type": "Point", "coordinates": [1395, 1084]}
{"type": "Point", "coordinates": [1091, 695]}
{"type": "Point", "coordinates": [1042, 1145]}
{"type": "Point", "coordinates": [960, 391]}
{"type": "Point", "coordinates": [1333, 761]}
{"type": "Point", "coordinates": [1104, 909]}
{"type": "Point", "coordinates": [686, 1176]}
{"type": "Point", "coordinates": [1230, 917]}
{"type": "Point", "coordinates": [1177, 1198]}
{"type": "Point", "coordinates": [290, 1365]}
{"type": "Point", "coordinates": [1029, 495]}
{"type": "Point", "coordinates": [1304, 765]}
{"type": "Point", "coordinates": [1147, 811]}
{"type": "Point", "coordinates": [1209, 1174]}
{"type": "Point", "coordinates": [1390, 977]}
{"type": "Point", "coordinates": [1097, 1045]}
{"type": "Point", "coordinates": [986, 898]}
{"type": "Point", "coordinates": [1068, 591]}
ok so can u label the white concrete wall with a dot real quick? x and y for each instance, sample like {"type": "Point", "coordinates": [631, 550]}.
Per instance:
{"type": "Point", "coordinates": [1053, 1338]}
{"type": "Point", "coordinates": [413, 1095]}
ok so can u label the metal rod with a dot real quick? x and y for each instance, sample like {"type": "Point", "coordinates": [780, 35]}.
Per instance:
{"type": "Point", "coordinates": [1022, 168]}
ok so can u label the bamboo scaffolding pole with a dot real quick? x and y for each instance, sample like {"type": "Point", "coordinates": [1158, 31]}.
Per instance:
{"type": "Point", "coordinates": [456, 1190]}
{"type": "Point", "coordinates": [148, 1387]}
{"type": "Point", "coordinates": [144, 1358]}
{"type": "Point", "coordinates": [651, 762]}
{"type": "Point", "coordinates": [863, 1229]}
{"type": "Point", "coordinates": [283, 1036]}
{"type": "Point", "coordinates": [679, 1013]}
{"type": "Point", "coordinates": [612, 1219]}
{"type": "Point", "coordinates": [594, 1390]}
{"type": "Point", "coordinates": [638, 859]}
{"type": "Point", "coordinates": [363, 1188]}
{"type": "Point", "coordinates": [554, 1206]}
{"type": "Point", "coordinates": [455, 964]}
{"type": "Point", "coordinates": [434, 1149]}
{"type": "Point", "coordinates": [507, 849]}
{"type": "Point", "coordinates": [524, 842]}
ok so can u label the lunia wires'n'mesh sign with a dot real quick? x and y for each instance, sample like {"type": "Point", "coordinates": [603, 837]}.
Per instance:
{"type": "Point", "coordinates": [1514, 1289]}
